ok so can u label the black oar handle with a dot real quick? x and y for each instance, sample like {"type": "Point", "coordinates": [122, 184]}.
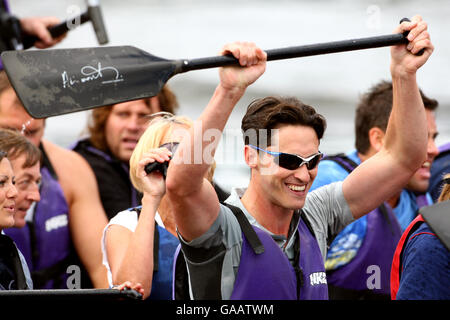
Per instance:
{"type": "Point", "coordinates": [299, 51]}
{"type": "Point", "coordinates": [56, 31]}
{"type": "Point", "coordinates": [302, 51]}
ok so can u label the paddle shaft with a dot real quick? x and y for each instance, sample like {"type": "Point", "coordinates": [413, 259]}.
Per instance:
{"type": "Point", "coordinates": [298, 51]}
{"type": "Point", "coordinates": [55, 31]}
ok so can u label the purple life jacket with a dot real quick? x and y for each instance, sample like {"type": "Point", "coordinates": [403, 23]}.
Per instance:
{"type": "Point", "coordinates": [382, 235]}
{"type": "Point", "coordinates": [265, 272]}
{"type": "Point", "coordinates": [45, 242]}
{"type": "Point", "coordinates": [270, 276]}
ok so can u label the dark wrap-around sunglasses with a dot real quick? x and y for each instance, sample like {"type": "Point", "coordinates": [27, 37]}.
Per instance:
{"type": "Point", "coordinates": [292, 161]}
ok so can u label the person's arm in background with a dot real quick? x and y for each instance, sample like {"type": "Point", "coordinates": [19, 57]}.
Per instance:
{"type": "Point", "coordinates": [38, 26]}
{"type": "Point", "coordinates": [404, 149]}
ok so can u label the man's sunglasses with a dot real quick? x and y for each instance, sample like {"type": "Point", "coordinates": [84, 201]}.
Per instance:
{"type": "Point", "coordinates": [292, 161]}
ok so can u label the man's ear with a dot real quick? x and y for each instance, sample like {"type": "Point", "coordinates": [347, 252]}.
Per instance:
{"type": "Point", "coordinates": [250, 156]}
{"type": "Point", "coordinates": [376, 138]}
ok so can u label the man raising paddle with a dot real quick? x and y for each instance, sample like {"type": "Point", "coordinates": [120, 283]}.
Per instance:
{"type": "Point", "coordinates": [280, 256]}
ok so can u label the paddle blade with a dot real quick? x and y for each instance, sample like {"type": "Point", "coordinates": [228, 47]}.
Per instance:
{"type": "Point", "coordinates": [61, 81]}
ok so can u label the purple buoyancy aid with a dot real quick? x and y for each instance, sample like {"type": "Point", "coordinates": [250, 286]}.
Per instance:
{"type": "Point", "coordinates": [374, 257]}
{"type": "Point", "coordinates": [265, 272]}
{"type": "Point", "coordinates": [271, 276]}
{"type": "Point", "coordinates": [375, 254]}
{"type": "Point", "coordinates": [45, 242]}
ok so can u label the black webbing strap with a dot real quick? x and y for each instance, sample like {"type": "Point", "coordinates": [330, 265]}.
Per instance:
{"type": "Point", "coordinates": [345, 162]}
{"type": "Point", "coordinates": [55, 272]}
{"type": "Point", "coordinates": [156, 249]}
{"type": "Point", "coordinates": [385, 213]}
{"type": "Point", "coordinates": [46, 162]}
{"type": "Point", "coordinates": [298, 270]}
{"type": "Point", "coordinates": [247, 229]}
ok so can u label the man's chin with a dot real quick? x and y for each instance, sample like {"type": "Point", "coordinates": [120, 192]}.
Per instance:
{"type": "Point", "coordinates": [125, 155]}
{"type": "Point", "coordinates": [19, 219]}
{"type": "Point", "coordinates": [295, 205]}
{"type": "Point", "coordinates": [19, 223]}
{"type": "Point", "coordinates": [418, 187]}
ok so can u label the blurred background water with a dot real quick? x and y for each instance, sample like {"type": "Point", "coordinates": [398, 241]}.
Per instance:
{"type": "Point", "coordinates": [333, 83]}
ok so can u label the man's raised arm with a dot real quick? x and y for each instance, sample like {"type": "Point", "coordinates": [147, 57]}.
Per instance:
{"type": "Point", "coordinates": [404, 150]}
{"type": "Point", "coordinates": [192, 197]}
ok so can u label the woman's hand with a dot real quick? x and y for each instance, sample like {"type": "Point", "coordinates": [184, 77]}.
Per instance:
{"type": "Point", "coordinates": [129, 285]}
{"type": "Point", "coordinates": [153, 184]}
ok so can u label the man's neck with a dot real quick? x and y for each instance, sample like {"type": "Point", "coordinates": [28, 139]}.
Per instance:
{"type": "Point", "coordinates": [274, 218]}
{"type": "Point", "coordinates": [393, 201]}
{"type": "Point", "coordinates": [364, 157]}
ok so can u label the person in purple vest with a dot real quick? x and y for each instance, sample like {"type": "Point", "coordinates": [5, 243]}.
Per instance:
{"type": "Point", "coordinates": [25, 160]}
{"type": "Point", "coordinates": [272, 242]}
{"type": "Point", "coordinates": [57, 236]}
{"type": "Point", "coordinates": [14, 272]}
{"type": "Point", "coordinates": [371, 240]}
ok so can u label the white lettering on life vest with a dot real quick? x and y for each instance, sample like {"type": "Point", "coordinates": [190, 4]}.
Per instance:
{"type": "Point", "coordinates": [318, 278]}
{"type": "Point", "coordinates": [56, 222]}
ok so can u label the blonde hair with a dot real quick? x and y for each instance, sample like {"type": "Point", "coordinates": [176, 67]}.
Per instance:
{"type": "Point", "coordinates": [445, 193]}
{"type": "Point", "coordinates": [161, 124]}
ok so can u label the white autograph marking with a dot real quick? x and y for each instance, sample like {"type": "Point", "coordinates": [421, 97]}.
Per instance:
{"type": "Point", "coordinates": [91, 73]}
{"type": "Point", "coordinates": [68, 82]}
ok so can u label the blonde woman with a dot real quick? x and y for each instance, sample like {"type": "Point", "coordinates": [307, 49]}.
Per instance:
{"type": "Point", "coordinates": [139, 243]}
{"type": "Point", "coordinates": [420, 270]}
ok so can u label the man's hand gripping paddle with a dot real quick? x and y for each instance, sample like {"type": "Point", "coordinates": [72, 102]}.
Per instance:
{"type": "Point", "coordinates": [61, 81]}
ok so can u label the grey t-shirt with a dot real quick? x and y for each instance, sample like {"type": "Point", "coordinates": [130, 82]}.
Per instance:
{"type": "Point", "coordinates": [325, 208]}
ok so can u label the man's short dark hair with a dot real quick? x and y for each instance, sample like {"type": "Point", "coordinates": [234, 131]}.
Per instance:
{"type": "Point", "coordinates": [374, 109]}
{"type": "Point", "coordinates": [269, 113]}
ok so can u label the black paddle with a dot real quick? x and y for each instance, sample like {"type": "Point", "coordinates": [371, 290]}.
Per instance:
{"type": "Point", "coordinates": [56, 82]}
{"type": "Point", "coordinates": [93, 14]}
